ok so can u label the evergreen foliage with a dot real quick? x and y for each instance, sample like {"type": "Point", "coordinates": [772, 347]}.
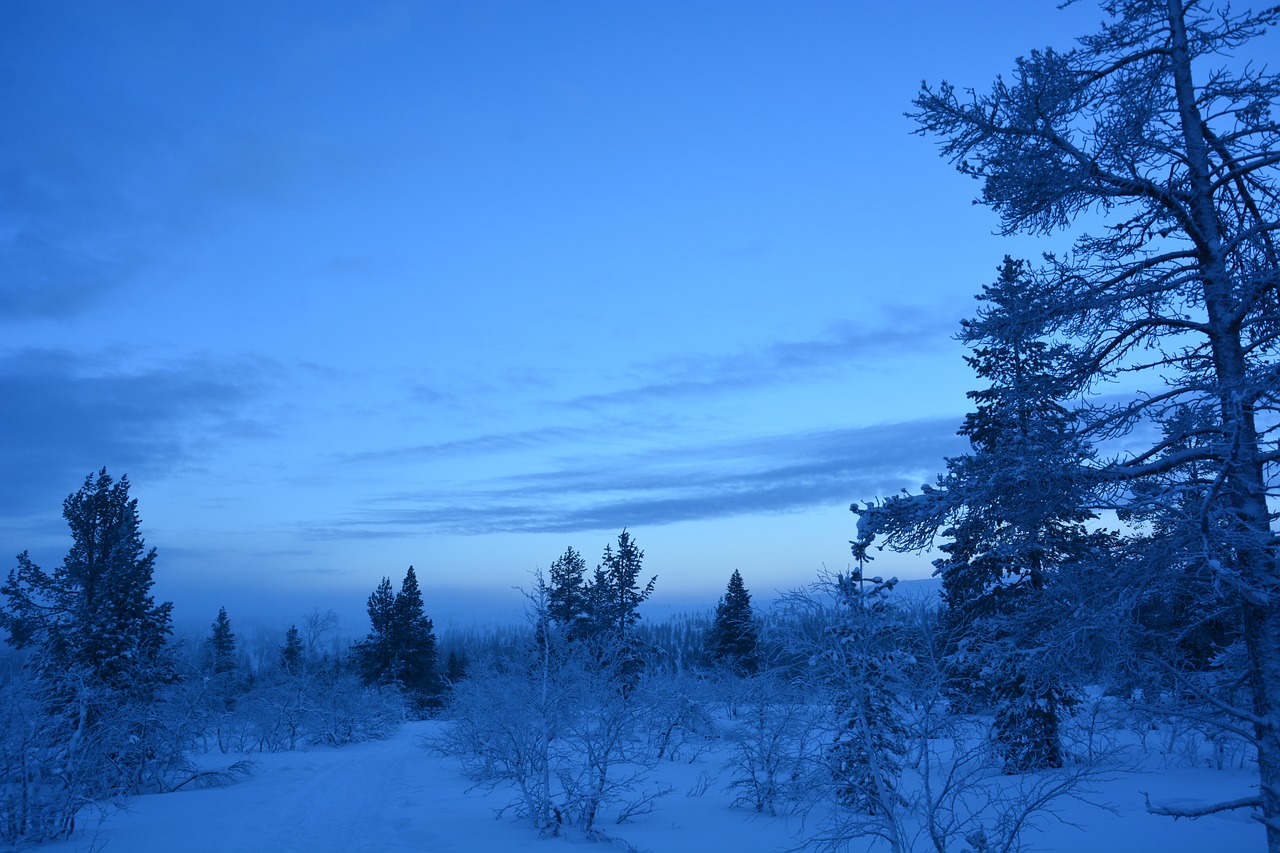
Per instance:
{"type": "Point", "coordinates": [291, 653]}
{"type": "Point", "coordinates": [1013, 513]}
{"type": "Point", "coordinates": [568, 602]}
{"type": "Point", "coordinates": [455, 668]}
{"type": "Point", "coordinates": [614, 595]}
{"type": "Point", "coordinates": [734, 633]}
{"type": "Point", "coordinates": [221, 644]}
{"type": "Point", "coordinates": [88, 721]}
{"type": "Point", "coordinates": [400, 648]}
{"type": "Point", "coordinates": [1157, 125]}
{"type": "Point", "coordinates": [867, 755]}
{"type": "Point", "coordinates": [95, 613]}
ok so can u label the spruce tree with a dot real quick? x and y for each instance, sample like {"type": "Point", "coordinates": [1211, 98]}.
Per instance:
{"type": "Point", "coordinates": [866, 757]}
{"type": "Point", "coordinates": [95, 613]}
{"type": "Point", "coordinates": [734, 633]}
{"type": "Point", "coordinates": [615, 594]}
{"type": "Point", "coordinates": [1159, 126]}
{"type": "Point", "coordinates": [375, 654]}
{"type": "Point", "coordinates": [415, 646]}
{"type": "Point", "coordinates": [400, 648]}
{"type": "Point", "coordinates": [221, 644]}
{"type": "Point", "coordinates": [567, 602]}
{"type": "Point", "coordinates": [1013, 511]}
{"type": "Point", "coordinates": [291, 653]}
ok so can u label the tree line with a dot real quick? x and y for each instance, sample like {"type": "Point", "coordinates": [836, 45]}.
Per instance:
{"type": "Point", "coordinates": [106, 704]}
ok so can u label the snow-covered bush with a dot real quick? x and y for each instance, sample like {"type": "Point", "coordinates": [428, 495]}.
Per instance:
{"type": "Point", "coordinates": [563, 721]}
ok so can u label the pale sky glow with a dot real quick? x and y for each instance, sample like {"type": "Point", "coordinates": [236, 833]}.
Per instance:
{"type": "Point", "coordinates": [348, 286]}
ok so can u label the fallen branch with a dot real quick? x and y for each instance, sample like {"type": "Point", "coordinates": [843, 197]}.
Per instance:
{"type": "Point", "coordinates": [218, 778]}
{"type": "Point", "coordinates": [1175, 812]}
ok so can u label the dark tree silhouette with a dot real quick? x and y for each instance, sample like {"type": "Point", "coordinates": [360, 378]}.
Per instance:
{"type": "Point", "coordinates": [221, 644]}
{"type": "Point", "coordinates": [401, 645]}
{"type": "Point", "coordinates": [734, 633]}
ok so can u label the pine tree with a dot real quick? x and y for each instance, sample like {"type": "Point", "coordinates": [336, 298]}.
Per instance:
{"type": "Point", "coordinates": [291, 657]}
{"type": "Point", "coordinates": [1160, 125]}
{"type": "Point", "coordinates": [615, 594]}
{"type": "Point", "coordinates": [1014, 510]}
{"type": "Point", "coordinates": [95, 612]}
{"type": "Point", "coordinates": [867, 755]}
{"type": "Point", "coordinates": [375, 655]}
{"type": "Point", "coordinates": [221, 644]}
{"type": "Point", "coordinates": [415, 646]}
{"type": "Point", "coordinates": [400, 648]}
{"type": "Point", "coordinates": [99, 661]}
{"type": "Point", "coordinates": [567, 591]}
{"type": "Point", "coordinates": [734, 633]}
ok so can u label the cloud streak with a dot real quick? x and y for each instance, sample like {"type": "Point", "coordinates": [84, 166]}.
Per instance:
{"type": "Point", "coordinates": [69, 416]}
{"type": "Point", "coordinates": [775, 474]}
{"type": "Point", "coordinates": [780, 361]}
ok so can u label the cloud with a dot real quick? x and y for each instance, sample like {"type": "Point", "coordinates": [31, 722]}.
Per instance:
{"type": "Point", "coordinates": [908, 330]}
{"type": "Point", "coordinates": [43, 278]}
{"type": "Point", "coordinates": [499, 442]}
{"type": "Point", "coordinates": [68, 416]}
{"type": "Point", "coordinates": [667, 485]}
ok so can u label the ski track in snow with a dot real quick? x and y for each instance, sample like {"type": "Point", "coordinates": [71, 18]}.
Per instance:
{"type": "Point", "coordinates": [380, 797]}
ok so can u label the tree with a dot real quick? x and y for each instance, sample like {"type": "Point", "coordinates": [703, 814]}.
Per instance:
{"type": "Point", "coordinates": [221, 644]}
{"type": "Point", "coordinates": [291, 656]}
{"type": "Point", "coordinates": [614, 595]}
{"type": "Point", "coordinates": [867, 754]}
{"type": "Point", "coordinates": [734, 633]}
{"type": "Point", "coordinates": [1013, 514]}
{"type": "Point", "coordinates": [416, 648]}
{"type": "Point", "coordinates": [85, 717]}
{"type": "Point", "coordinates": [375, 654]}
{"type": "Point", "coordinates": [554, 718]}
{"type": "Point", "coordinates": [96, 611]}
{"type": "Point", "coordinates": [1151, 125]}
{"type": "Point", "coordinates": [400, 648]}
{"type": "Point", "coordinates": [567, 602]}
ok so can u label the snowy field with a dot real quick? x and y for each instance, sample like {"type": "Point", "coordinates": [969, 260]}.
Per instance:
{"type": "Point", "coordinates": [395, 795]}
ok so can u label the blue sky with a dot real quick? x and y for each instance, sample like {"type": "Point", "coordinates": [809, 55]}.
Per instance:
{"type": "Point", "coordinates": [348, 286]}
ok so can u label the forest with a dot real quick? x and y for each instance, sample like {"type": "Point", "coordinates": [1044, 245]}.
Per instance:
{"type": "Point", "coordinates": [1107, 548]}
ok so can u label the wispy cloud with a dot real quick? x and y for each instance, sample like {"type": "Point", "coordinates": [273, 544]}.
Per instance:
{"type": "Point", "coordinates": [498, 442]}
{"type": "Point", "coordinates": [909, 330]}
{"type": "Point", "coordinates": [68, 415]}
{"type": "Point", "coordinates": [666, 485]}
{"type": "Point", "coordinates": [41, 277]}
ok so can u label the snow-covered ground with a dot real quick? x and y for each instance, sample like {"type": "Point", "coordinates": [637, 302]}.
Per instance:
{"type": "Point", "coordinates": [394, 795]}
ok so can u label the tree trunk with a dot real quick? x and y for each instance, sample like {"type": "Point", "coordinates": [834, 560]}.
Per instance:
{"type": "Point", "coordinates": [1254, 572]}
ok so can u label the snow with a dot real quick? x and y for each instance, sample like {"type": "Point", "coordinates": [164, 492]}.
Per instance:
{"type": "Point", "coordinates": [396, 795]}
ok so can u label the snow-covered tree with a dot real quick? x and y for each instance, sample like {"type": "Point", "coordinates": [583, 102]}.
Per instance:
{"type": "Point", "coordinates": [1159, 125]}
{"type": "Point", "coordinates": [1012, 513]}
{"type": "Point", "coordinates": [867, 754]}
{"type": "Point", "coordinates": [557, 719]}
{"type": "Point", "coordinates": [95, 612]}
{"type": "Point", "coordinates": [88, 718]}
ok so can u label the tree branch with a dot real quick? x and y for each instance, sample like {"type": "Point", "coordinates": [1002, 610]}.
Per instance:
{"type": "Point", "coordinates": [1176, 812]}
